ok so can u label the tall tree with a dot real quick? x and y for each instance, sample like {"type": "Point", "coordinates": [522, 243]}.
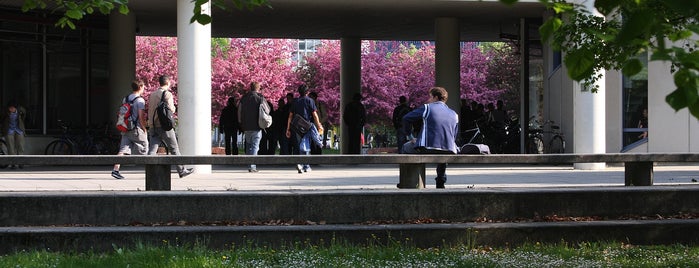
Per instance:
{"type": "Point", "coordinates": [237, 62]}
{"type": "Point", "coordinates": [75, 10]}
{"type": "Point", "coordinates": [631, 28]}
{"type": "Point", "coordinates": [156, 56]}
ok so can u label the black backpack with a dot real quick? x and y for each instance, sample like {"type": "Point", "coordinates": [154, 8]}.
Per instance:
{"type": "Point", "coordinates": [165, 116]}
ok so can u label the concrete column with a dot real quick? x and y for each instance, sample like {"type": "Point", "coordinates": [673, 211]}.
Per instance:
{"type": "Point", "coordinates": [589, 113]}
{"type": "Point", "coordinates": [122, 59]}
{"type": "Point", "coordinates": [350, 80]}
{"type": "Point", "coordinates": [447, 59]}
{"type": "Point", "coordinates": [524, 97]}
{"type": "Point", "coordinates": [193, 83]}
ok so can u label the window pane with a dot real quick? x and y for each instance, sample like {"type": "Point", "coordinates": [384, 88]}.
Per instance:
{"type": "Point", "coordinates": [20, 80]}
{"type": "Point", "coordinates": [66, 97]}
{"type": "Point", "coordinates": [635, 94]}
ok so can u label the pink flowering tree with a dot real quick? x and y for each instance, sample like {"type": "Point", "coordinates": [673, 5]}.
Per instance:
{"type": "Point", "coordinates": [503, 73]}
{"type": "Point", "coordinates": [321, 73]}
{"type": "Point", "coordinates": [156, 56]}
{"type": "Point", "coordinates": [238, 62]}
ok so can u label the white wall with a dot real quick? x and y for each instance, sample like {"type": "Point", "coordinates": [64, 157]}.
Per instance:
{"type": "Point", "coordinates": [614, 116]}
{"type": "Point", "coordinates": [668, 131]}
{"type": "Point", "coordinates": [558, 104]}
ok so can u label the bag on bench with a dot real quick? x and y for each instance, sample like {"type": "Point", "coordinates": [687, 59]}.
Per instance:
{"type": "Point", "coordinates": [473, 148]}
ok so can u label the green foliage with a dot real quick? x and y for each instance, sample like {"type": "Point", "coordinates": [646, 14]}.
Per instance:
{"type": "Point", "coordinates": [375, 253]}
{"type": "Point", "coordinates": [203, 18]}
{"type": "Point", "coordinates": [630, 28]}
{"type": "Point", "coordinates": [74, 10]}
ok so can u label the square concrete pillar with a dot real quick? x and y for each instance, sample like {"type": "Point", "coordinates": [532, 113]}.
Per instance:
{"type": "Point", "coordinates": [158, 178]}
{"type": "Point", "coordinates": [412, 176]}
{"type": "Point", "coordinates": [638, 173]}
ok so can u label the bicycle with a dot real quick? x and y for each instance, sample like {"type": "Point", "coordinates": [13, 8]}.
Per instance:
{"type": "Point", "coordinates": [68, 144]}
{"type": "Point", "coordinates": [3, 150]}
{"type": "Point", "coordinates": [477, 136]}
{"type": "Point", "coordinates": [535, 141]}
{"type": "Point", "coordinates": [557, 144]}
{"type": "Point", "coordinates": [535, 137]}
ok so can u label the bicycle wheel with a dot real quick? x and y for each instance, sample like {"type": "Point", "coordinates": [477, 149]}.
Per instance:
{"type": "Point", "coordinates": [535, 145]}
{"type": "Point", "coordinates": [557, 145]}
{"type": "Point", "coordinates": [59, 147]}
{"type": "Point", "coordinates": [3, 151]}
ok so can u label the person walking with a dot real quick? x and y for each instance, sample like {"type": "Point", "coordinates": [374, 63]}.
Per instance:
{"type": "Point", "coordinates": [268, 140]}
{"type": "Point", "coordinates": [134, 141]}
{"type": "Point", "coordinates": [229, 126]}
{"type": "Point", "coordinates": [305, 107]}
{"type": "Point", "coordinates": [401, 110]}
{"type": "Point", "coordinates": [248, 115]}
{"type": "Point", "coordinates": [13, 129]}
{"type": "Point", "coordinates": [156, 133]}
{"type": "Point", "coordinates": [323, 115]}
{"type": "Point", "coordinates": [279, 117]}
{"type": "Point", "coordinates": [438, 133]}
{"type": "Point", "coordinates": [355, 117]}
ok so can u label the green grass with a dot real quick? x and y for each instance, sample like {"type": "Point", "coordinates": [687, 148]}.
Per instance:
{"type": "Point", "coordinates": [338, 255]}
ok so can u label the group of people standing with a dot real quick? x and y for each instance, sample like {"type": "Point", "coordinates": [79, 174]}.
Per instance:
{"type": "Point", "coordinates": [148, 134]}
{"type": "Point", "coordinates": [430, 128]}
{"type": "Point", "coordinates": [242, 117]}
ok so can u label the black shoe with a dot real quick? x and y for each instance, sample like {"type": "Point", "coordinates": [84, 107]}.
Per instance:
{"type": "Point", "coordinates": [186, 172]}
{"type": "Point", "coordinates": [117, 175]}
{"type": "Point", "coordinates": [440, 182]}
{"type": "Point", "coordinates": [299, 168]}
{"type": "Point", "coordinates": [15, 167]}
{"type": "Point", "coordinates": [252, 170]}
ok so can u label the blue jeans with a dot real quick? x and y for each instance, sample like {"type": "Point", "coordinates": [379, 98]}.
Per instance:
{"type": "Point", "coordinates": [252, 144]}
{"type": "Point", "coordinates": [304, 146]}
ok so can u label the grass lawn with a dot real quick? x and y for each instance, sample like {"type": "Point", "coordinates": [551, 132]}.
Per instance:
{"type": "Point", "coordinates": [337, 255]}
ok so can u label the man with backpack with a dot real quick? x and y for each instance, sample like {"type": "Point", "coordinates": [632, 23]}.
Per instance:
{"type": "Point", "coordinates": [132, 117]}
{"type": "Point", "coordinates": [156, 132]}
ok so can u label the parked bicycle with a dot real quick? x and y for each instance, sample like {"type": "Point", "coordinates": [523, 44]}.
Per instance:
{"type": "Point", "coordinates": [535, 139]}
{"type": "Point", "coordinates": [3, 150]}
{"type": "Point", "coordinates": [475, 134]}
{"type": "Point", "coordinates": [86, 144]}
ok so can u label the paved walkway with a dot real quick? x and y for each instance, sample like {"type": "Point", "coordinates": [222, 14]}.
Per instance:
{"type": "Point", "coordinates": [330, 177]}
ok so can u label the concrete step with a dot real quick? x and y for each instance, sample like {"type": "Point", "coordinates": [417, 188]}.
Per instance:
{"type": "Point", "coordinates": [493, 217]}
{"type": "Point", "coordinates": [342, 206]}
{"type": "Point", "coordinates": [637, 232]}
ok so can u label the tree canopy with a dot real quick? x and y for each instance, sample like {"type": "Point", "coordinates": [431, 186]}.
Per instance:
{"type": "Point", "coordinates": [666, 30]}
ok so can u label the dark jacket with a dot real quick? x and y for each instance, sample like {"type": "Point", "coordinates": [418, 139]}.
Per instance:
{"type": "Point", "coordinates": [248, 111]}
{"type": "Point", "coordinates": [355, 115]}
{"type": "Point", "coordinates": [228, 122]}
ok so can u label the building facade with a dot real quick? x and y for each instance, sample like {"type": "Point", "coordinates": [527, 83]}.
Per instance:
{"type": "Point", "coordinates": [75, 75]}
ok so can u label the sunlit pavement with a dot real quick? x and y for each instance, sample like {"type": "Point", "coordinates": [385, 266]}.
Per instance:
{"type": "Point", "coordinates": [331, 177]}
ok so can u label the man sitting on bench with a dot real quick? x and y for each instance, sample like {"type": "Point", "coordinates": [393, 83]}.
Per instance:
{"type": "Point", "coordinates": [438, 133]}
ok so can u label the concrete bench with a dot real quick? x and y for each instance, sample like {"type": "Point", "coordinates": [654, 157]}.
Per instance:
{"type": "Point", "coordinates": [638, 167]}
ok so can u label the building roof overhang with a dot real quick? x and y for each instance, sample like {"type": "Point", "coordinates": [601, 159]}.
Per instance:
{"type": "Point", "coordinates": [333, 19]}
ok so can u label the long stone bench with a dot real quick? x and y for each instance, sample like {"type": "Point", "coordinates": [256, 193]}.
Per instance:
{"type": "Point", "coordinates": [638, 167]}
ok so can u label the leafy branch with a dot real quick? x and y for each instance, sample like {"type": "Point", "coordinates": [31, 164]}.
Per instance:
{"type": "Point", "coordinates": [631, 28]}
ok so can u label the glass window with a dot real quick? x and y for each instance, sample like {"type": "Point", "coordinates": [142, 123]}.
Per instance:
{"type": "Point", "coordinates": [635, 106]}
{"type": "Point", "coordinates": [65, 91]}
{"type": "Point", "coordinates": [21, 80]}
